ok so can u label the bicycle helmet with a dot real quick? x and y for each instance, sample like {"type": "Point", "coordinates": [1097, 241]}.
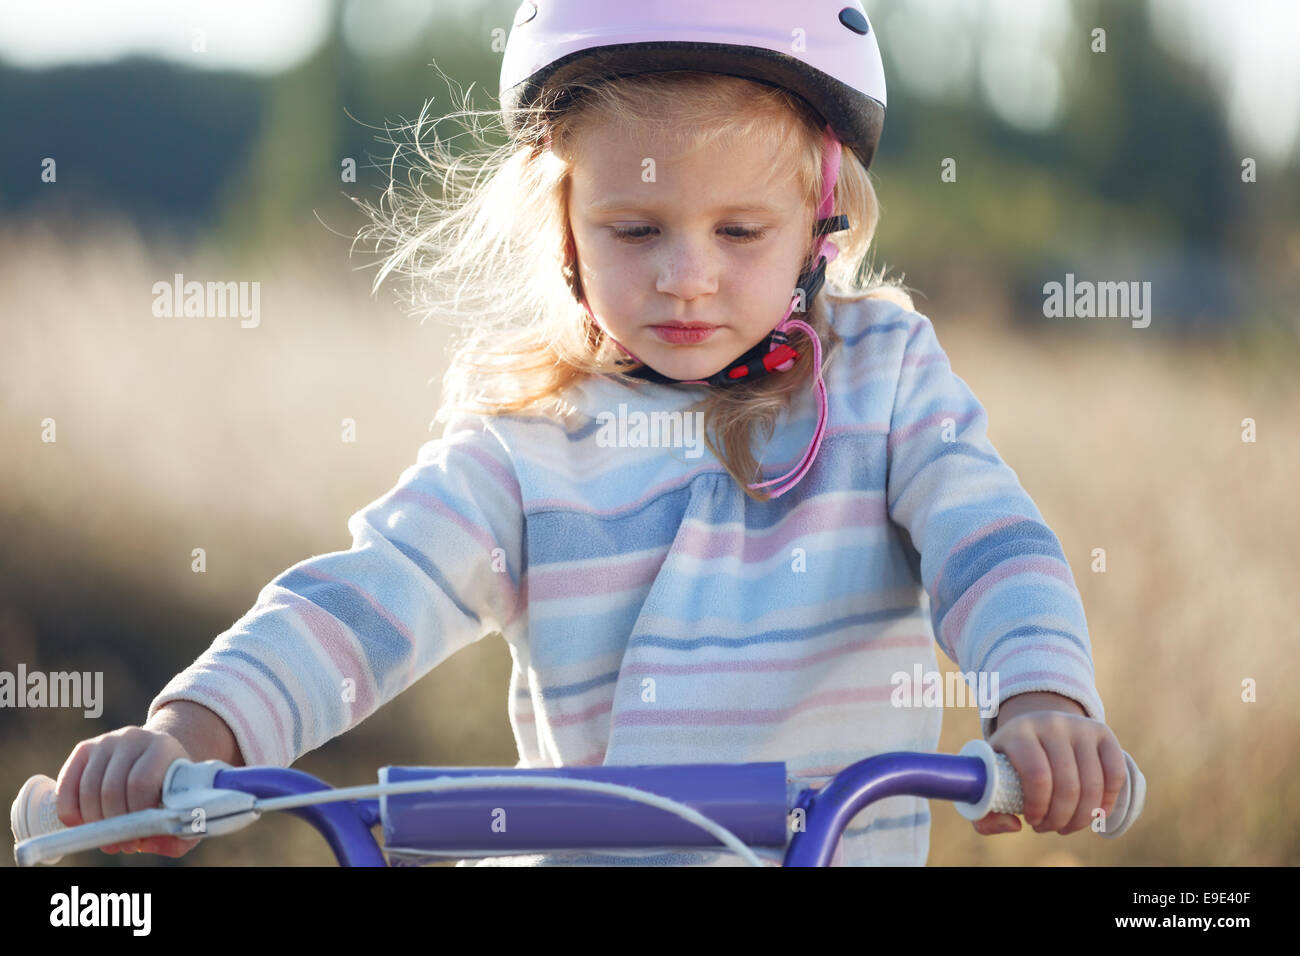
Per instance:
{"type": "Point", "coordinates": [822, 50]}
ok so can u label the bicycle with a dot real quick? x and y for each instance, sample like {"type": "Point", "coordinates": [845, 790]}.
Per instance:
{"type": "Point", "coordinates": [431, 812]}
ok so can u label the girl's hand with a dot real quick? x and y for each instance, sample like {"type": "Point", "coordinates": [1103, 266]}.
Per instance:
{"type": "Point", "coordinates": [1068, 764]}
{"type": "Point", "coordinates": [116, 773]}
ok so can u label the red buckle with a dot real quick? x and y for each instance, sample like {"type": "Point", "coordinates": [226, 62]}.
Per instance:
{"type": "Point", "coordinates": [779, 356]}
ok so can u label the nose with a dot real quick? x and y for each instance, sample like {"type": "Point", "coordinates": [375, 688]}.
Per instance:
{"type": "Point", "coordinates": [687, 270]}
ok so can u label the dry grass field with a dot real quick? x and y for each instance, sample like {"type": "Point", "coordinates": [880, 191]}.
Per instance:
{"type": "Point", "coordinates": [175, 434]}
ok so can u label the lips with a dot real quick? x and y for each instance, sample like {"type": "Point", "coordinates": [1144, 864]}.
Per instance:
{"type": "Point", "coordinates": [684, 325]}
{"type": "Point", "coordinates": [681, 334]}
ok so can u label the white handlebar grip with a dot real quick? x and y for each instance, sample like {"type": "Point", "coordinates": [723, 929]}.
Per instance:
{"type": "Point", "coordinates": [1002, 792]}
{"type": "Point", "coordinates": [33, 813]}
{"type": "Point", "coordinates": [1007, 796]}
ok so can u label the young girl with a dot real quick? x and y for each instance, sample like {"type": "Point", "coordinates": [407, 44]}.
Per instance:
{"type": "Point", "coordinates": [647, 269]}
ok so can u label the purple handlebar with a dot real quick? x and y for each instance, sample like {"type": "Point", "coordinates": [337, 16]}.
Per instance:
{"type": "Point", "coordinates": [751, 800]}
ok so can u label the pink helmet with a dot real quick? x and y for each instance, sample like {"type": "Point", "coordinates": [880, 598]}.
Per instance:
{"type": "Point", "coordinates": [823, 50]}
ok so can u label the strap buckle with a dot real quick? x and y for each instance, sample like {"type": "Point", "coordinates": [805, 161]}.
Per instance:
{"type": "Point", "coordinates": [837, 223]}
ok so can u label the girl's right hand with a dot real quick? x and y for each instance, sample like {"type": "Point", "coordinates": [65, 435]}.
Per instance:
{"type": "Point", "coordinates": [116, 773]}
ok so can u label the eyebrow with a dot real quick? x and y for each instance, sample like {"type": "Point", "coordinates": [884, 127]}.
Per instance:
{"type": "Point", "coordinates": [610, 205]}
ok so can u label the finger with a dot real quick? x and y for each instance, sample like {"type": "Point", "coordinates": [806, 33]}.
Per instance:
{"type": "Point", "coordinates": [1115, 768]}
{"type": "Point", "coordinates": [144, 782]}
{"type": "Point", "coordinates": [67, 798]}
{"type": "Point", "coordinates": [1091, 780]}
{"type": "Point", "coordinates": [90, 784]}
{"type": "Point", "coordinates": [127, 846]}
{"type": "Point", "coordinates": [1033, 768]}
{"type": "Point", "coordinates": [1065, 782]}
{"type": "Point", "coordinates": [144, 791]}
{"type": "Point", "coordinates": [992, 823]}
{"type": "Point", "coordinates": [112, 792]}
{"type": "Point", "coordinates": [166, 845]}
{"type": "Point", "coordinates": [175, 846]}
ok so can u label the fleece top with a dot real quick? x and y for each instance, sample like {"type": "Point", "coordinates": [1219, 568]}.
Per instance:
{"type": "Point", "coordinates": [656, 614]}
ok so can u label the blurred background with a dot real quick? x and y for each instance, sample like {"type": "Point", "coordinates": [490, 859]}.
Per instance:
{"type": "Point", "coordinates": [210, 139]}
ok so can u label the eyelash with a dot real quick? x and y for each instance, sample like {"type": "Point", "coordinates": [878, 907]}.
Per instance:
{"type": "Point", "coordinates": [747, 235]}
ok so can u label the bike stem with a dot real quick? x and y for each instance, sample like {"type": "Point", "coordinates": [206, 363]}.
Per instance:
{"type": "Point", "coordinates": [827, 811]}
{"type": "Point", "coordinates": [345, 825]}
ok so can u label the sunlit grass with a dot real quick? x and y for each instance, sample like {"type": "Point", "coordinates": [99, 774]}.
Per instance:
{"type": "Point", "coordinates": [175, 434]}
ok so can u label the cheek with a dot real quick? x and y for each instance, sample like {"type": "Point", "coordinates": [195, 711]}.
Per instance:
{"type": "Point", "coordinates": [614, 258]}
{"type": "Point", "coordinates": [775, 269]}
{"type": "Point", "coordinates": [600, 255]}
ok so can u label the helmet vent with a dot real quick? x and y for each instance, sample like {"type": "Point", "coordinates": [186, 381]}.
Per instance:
{"type": "Point", "coordinates": [527, 10]}
{"type": "Point", "coordinates": [852, 18]}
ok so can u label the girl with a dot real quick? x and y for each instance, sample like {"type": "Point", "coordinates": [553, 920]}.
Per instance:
{"type": "Point", "coordinates": [647, 263]}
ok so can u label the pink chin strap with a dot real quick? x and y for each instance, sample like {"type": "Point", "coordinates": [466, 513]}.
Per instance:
{"type": "Point", "coordinates": [825, 248]}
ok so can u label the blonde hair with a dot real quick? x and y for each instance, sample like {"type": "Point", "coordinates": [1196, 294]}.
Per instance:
{"type": "Point", "coordinates": [492, 251]}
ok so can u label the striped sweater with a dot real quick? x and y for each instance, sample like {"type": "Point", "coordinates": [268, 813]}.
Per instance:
{"type": "Point", "coordinates": [656, 614]}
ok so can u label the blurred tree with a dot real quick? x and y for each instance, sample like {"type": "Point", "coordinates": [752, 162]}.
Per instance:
{"type": "Point", "coordinates": [137, 137]}
{"type": "Point", "coordinates": [1145, 130]}
{"type": "Point", "coordinates": [297, 157]}
{"type": "Point", "coordinates": [1140, 165]}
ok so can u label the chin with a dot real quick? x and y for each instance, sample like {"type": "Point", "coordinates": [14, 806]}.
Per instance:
{"type": "Point", "coordinates": [691, 369]}
{"type": "Point", "coordinates": [686, 362]}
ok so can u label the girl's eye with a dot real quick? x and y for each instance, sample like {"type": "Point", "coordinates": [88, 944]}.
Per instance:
{"type": "Point", "coordinates": [746, 234]}
{"type": "Point", "coordinates": [739, 233]}
{"type": "Point", "coordinates": [629, 234]}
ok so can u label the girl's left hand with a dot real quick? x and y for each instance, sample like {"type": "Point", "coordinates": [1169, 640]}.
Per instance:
{"type": "Point", "coordinates": [1069, 765]}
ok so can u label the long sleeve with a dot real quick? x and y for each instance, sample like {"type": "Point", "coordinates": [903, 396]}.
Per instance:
{"type": "Point", "coordinates": [1002, 598]}
{"type": "Point", "coordinates": [435, 565]}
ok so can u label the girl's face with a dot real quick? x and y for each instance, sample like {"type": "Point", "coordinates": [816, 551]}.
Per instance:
{"type": "Point", "coordinates": [716, 237]}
